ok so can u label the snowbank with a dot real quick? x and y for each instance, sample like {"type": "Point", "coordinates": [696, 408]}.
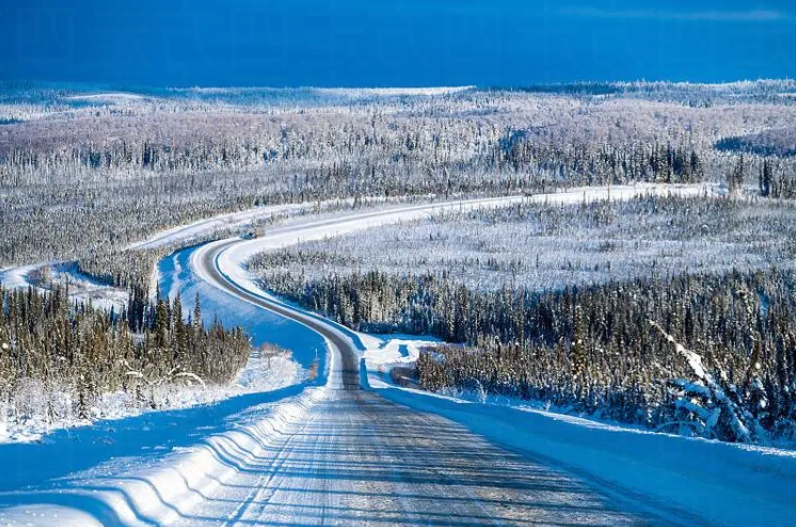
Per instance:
{"type": "Point", "coordinates": [381, 352]}
{"type": "Point", "coordinates": [165, 491]}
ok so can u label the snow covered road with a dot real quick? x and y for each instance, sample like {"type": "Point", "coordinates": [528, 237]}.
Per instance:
{"type": "Point", "coordinates": [337, 454]}
{"type": "Point", "coordinates": [358, 459]}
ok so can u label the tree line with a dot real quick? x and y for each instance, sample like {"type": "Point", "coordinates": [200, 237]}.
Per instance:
{"type": "Point", "coordinates": [73, 354]}
{"type": "Point", "coordinates": [601, 164]}
{"type": "Point", "coordinates": [593, 349]}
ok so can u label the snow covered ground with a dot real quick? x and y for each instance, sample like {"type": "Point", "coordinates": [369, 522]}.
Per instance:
{"type": "Point", "coordinates": [106, 97]}
{"type": "Point", "coordinates": [548, 248]}
{"type": "Point", "coordinates": [305, 456]}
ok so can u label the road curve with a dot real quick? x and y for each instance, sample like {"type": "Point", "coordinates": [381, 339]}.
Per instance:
{"type": "Point", "coordinates": [348, 372]}
{"type": "Point", "coordinates": [357, 459]}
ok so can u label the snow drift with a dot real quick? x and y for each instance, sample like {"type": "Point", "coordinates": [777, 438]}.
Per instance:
{"type": "Point", "coordinates": [159, 494]}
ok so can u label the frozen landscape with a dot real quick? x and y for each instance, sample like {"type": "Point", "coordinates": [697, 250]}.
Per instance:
{"type": "Point", "coordinates": [564, 305]}
{"type": "Point", "coordinates": [263, 443]}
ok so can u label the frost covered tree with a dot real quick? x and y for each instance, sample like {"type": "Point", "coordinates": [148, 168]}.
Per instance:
{"type": "Point", "coordinates": [69, 354]}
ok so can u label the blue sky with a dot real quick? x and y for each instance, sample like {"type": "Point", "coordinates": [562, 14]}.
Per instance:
{"type": "Point", "coordinates": [383, 43]}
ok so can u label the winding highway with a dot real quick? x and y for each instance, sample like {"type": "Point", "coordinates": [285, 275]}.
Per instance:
{"type": "Point", "coordinates": [336, 454]}
{"type": "Point", "coordinates": [358, 459]}
{"type": "Point", "coordinates": [346, 376]}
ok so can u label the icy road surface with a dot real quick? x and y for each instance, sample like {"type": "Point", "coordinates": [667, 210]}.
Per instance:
{"type": "Point", "coordinates": [359, 460]}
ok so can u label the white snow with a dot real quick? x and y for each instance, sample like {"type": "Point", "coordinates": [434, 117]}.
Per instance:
{"type": "Point", "coordinates": [17, 277]}
{"type": "Point", "coordinates": [128, 481]}
{"type": "Point", "coordinates": [47, 515]}
{"type": "Point", "coordinates": [382, 352]}
{"type": "Point", "coordinates": [156, 489]}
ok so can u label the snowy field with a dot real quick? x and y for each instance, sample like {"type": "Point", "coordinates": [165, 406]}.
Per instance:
{"type": "Point", "coordinates": [547, 247]}
{"type": "Point", "coordinates": [82, 287]}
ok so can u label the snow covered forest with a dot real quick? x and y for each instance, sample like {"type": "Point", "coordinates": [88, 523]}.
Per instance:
{"type": "Point", "coordinates": [553, 303]}
{"type": "Point", "coordinates": [61, 362]}
{"type": "Point", "coordinates": [549, 247]}
{"type": "Point", "coordinates": [574, 305]}
{"type": "Point", "coordinates": [83, 173]}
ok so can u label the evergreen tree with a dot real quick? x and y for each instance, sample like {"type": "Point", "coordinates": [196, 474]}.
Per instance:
{"type": "Point", "coordinates": [736, 178]}
{"type": "Point", "coordinates": [197, 313]}
{"type": "Point", "coordinates": [161, 324]}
